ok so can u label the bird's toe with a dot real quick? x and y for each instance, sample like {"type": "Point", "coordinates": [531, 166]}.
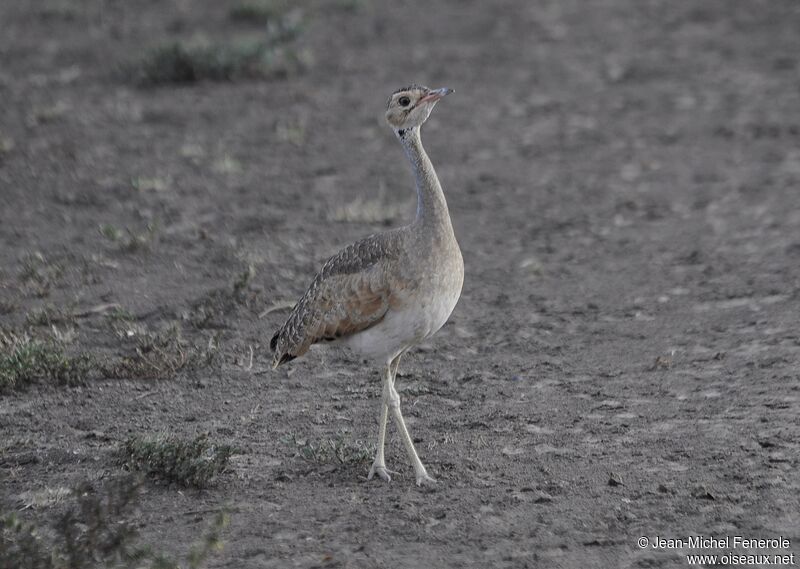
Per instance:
{"type": "Point", "coordinates": [425, 478]}
{"type": "Point", "coordinates": [382, 472]}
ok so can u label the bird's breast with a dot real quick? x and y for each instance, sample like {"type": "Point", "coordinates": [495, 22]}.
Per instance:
{"type": "Point", "coordinates": [437, 292]}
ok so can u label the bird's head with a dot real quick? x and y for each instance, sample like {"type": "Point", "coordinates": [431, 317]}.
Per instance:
{"type": "Point", "coordinates": [409, 107]}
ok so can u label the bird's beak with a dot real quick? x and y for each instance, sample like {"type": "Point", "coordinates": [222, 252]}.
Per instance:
{"type": "Point", "coordinates": [434, 95]}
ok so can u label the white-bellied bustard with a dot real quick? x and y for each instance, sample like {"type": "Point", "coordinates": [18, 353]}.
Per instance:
{"type": "Point", "coordinates": [388, 292]}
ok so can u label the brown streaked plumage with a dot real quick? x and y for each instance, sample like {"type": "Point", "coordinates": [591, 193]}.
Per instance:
{"type": "Point", "coordinates": [351, 292]}
{"type": "Point", "coordinates": [388, 292]}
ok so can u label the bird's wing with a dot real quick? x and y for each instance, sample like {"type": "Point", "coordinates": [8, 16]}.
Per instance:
{"type": "Point", "coordinates": [351, 293]}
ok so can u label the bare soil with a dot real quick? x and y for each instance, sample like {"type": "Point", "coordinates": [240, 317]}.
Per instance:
{"type": "Point", "coordinates": [623, 180]}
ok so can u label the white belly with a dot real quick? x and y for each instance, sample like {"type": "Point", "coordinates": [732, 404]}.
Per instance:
{"type": "Point", "coordinates": [418, 319]}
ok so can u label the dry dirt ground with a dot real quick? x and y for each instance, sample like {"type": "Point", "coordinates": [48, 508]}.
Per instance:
{"type": "Point", "coordinates": [623, 362]}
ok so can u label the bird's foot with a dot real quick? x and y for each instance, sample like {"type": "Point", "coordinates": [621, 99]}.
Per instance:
{"type": "Point", "coordinates": [382, 472]}
{"type": "Point", "coordinates": [424, 478]}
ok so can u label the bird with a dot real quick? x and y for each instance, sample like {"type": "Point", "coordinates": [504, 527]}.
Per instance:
{"type": "Point", "coordinates": [386, 293]}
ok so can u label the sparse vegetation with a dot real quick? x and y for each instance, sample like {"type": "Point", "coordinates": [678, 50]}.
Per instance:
{"type": "Point", "coordinates": [49, 315]}
{"type": "Point", "coordinates": [194, 463]}
{"type": "Point", "coordinates": [119, 314]}
{"type": "Point", "coordinates": [227, 164]}
{"type": "Point", "coordinates": [144, 184]}
{"type": "Point", "coordinates": [370, 210]}
{"type": "Point", "coordinates": [209, 311]}
{"type": "Point", "coordinates": [242, 282]}
{"type": "Point", "coordinates": [63, 11]}
{"type": "Point", "coordinates": [124, 323]}
{"type": "Point", "coordinates": [258, 12]}
{"type": "Point", "coordinates": [47, 113]}
{"type": "Point", "coordinates": [341, 449]}
{"type": "Point", "coordinates": [190, 62]}
{"type": "Point", "coordinates": [43, 498]}
{"type": "Point", "coordinates": [6, 145]}
{"type": "Point", "coordinates": [161, 355]}
{"type": "Point", "coordinates": [40, 274]}
{"type": "Point", "coordinates": [130, 241]}
{"type": "Point", "coordinates": [34, 355]}
{"type": "Point", "coordinates": [352, 5]}
{"type": "Point", "coordinates": [24, 360]}
{"type": "Point", "coordinates": [620, 176]}
{"type": "Point", "coordinates": [292, 131]}
{"type": "Point", "coordinates": [97, 531]}
{"type": "Point", "coordinates": [110, 232]}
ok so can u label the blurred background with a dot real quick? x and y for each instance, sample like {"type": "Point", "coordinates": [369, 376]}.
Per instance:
{"type": "Point", "coordinates": [623, 180]}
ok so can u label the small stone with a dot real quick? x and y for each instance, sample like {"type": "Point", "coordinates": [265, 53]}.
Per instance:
{"type": "Point", "coordinates": [614, 479]}
{"type": "Point", "coordinates": [99, 435]}
{"type": "Point", "coordinates": [703, 493]}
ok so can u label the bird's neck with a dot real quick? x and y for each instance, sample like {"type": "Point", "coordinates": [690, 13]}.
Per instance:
{"type": "Point", "coordinates": [431, 204]}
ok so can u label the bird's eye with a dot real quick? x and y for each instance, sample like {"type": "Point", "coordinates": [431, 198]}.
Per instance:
{"type": "Point", "coordinates": [404, 101]}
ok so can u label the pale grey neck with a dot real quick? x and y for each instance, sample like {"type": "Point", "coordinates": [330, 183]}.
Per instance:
{"type": "Point", "coordinates": [431, 205]}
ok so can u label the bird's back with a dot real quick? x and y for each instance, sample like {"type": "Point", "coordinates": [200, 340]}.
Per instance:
{"type": "Point", "coordinates": [352, 292]}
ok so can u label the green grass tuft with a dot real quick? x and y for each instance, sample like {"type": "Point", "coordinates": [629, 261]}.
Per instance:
{"type": "Point", "coordinates": [270, 55]}
{"type": "Point", "coordinates": [130, 241]}
{"type": "Point", "coordinates": [110, 232]}
{"type": "Point", "coordinates": [242, 282]}
{"type": "Point", "coordinates": [341, 449]}
{"type": "Point", "coordinates": [39, 274]}
{"type": "Point", "coordinates": [24, 360]}
{"type": "Point", "coordinates": [193, 463]}
{"type": "Point", "coordinates": [49, 315]}
{"type": "Point", "coordinates": [119, 314]}
{"type": "Point", "coordinates": [182, 63]}
{"type": "Point", "coordinates": [97, 530]}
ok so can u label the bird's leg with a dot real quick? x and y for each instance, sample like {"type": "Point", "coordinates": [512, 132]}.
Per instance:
{"type": "Point", "coordinates": [394, 406]}
{"type": "Point", "coordinates": [379, 464]}
{"type": "Point", "coordinates": [393, 366]}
